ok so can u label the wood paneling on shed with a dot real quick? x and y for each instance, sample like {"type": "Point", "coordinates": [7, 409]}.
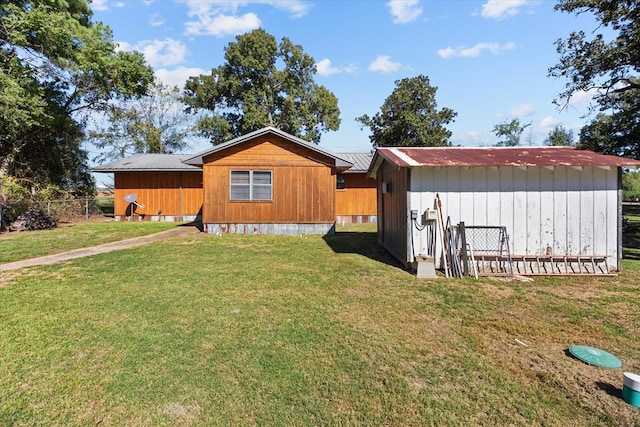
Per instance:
{"type": "Point", "coordinates": [393, 220]}
{"type": "Point", "coordinates": [173, 193]}
{"type": "Point", "coordinates": [303, 184]}
{"type": "Point", "coordinates": [358, 197]}
{"type": "Point", "coordinates": [547, 210]}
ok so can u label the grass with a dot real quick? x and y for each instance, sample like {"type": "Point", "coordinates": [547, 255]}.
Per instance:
{"type": "Point", "coordinates": [268, 330]}
{"type": "Point", "coordinates": [17, 246]}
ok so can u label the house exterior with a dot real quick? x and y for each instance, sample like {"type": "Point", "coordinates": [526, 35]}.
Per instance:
{"type": "Point", "coordinates": [556, 203]}
{"type": "Point", "coordinates": [166, 189]}
{"type": "Point", "coordinates": [267, 181]}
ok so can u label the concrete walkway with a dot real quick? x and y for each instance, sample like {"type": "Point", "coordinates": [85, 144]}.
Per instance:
{"type": "Point", "coordinates": [100, 249]}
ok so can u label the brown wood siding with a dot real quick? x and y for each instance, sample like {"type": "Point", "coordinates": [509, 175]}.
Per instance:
{"type": "Point", "coordinates": [358, 196]}
{"type": "Point", "coordinates": [159, 191]}
{"type": "Point", "coordinates": [392, 211]}
{"type": "Point", "coordinates": [303, 185]}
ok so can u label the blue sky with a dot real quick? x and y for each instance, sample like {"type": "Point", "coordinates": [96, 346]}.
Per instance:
{"type": "Point", "coordinates": [489, 59]}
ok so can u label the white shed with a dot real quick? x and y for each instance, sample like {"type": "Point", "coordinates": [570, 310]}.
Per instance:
{"type": "Point", "coordinates": [558, 204]}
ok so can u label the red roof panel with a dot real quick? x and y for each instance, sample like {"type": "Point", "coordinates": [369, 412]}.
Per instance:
{"type": "Point", "coordinates": [500, 156]}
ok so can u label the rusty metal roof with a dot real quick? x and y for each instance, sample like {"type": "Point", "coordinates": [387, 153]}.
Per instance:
{"type": "Point", "coordinates": [499, 156]}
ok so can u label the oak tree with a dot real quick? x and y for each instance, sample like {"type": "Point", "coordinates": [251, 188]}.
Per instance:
{"type": "Point", "coordinates": [56, 64]}
{"type": "Point", "coordinates": [263, 83]}
{"type": "Point", "coordinates": [605, 61]}
{"type": "Point", "coordinates": [409, 117]}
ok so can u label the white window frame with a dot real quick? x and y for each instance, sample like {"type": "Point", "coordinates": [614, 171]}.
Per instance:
{"type": "Point", "coordinates": [252, 186]}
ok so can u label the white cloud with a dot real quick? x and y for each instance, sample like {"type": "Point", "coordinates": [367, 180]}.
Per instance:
{"type": "Point", "coordinates": [549, 122]}
{"type": "Point", "coordinates": [223, 25]}
{"type": "Point", "coordinates": [119, 4]}
{"type": "Point", "coordinates": [501, 9]}
{"type": "Point", "coordinates": [156, 20]}
{"type": "Point", "coordinates": [296, 8]}
{"type": "Point", "coordinates": [158, 53]}
{"type": "Point", "coordinates": [404, 11]}
{"type": "Point", "coordinates": [475, 51]}
{"type": "Point", "coordinates": [325, 68]}
{"type": "Point", "coordinates": [99, 5]}
{"type": "Point", "coordinates": [384, 64]}
{"type": "Point", "coordinates": [582, 98]}
{"type": "Point", "coordinates": [220, 17]}
{"type": "Point", "coordinates": [523, 110]}
{"type": "Point", "coordinates": [178, 76]}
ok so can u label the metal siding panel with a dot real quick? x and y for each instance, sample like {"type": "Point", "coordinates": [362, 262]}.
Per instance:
{"type": "Point", "coordinates": [600, 212]}
{"type": "Point", "coordinates": [453, 196]}
{"type": "Point", "coordinates": [587, 212]}
{"type": "Point", "coordinates": [533, 211]}
{"type": "Point", "coordinates": [519, 234]}
{"type": "Point", "coordinates": [480, 189]}
{"type": "Point", "coordinates": [547, 211]}
{"type": "Point", "coordinates": [506, 201]}
{"type": "Point", "coordinates": [573, 211]}
{"type": "Point", "coordinates": [559, 211]}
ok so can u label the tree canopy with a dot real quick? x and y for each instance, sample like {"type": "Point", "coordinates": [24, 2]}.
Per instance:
{"type": "Point", "coordinates": [55, 64]}
{"type": "Point", "coordinates": [559, 136]}
{"type": "Point", "coordinates": [154, 123]}
{"type": "Point", "coordinates": [606, 61]}
{"type": "Point", "coordinates": [410, 117]}
{"type": "Point", "coordinates": [249, 91]}
{"type": "Point", "coordinates": [510, 132]}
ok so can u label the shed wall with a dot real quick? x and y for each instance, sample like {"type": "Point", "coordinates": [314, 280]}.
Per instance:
{"type": "Point", "coordinates": [173, 193]}
{"type": "Point", "coordinates": [393, 222]}
{"type": "Point", "coordinates": [303, 184]}
{"type": "Point", "coordinates": [556, 210]}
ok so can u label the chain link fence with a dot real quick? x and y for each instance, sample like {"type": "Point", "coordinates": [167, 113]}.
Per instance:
{"type": "Point", "coordinates": [68, 210]}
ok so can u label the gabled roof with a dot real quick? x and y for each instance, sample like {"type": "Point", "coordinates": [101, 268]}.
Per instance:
{"type": "Point", "coordinates": [198, 159]}
{"type": "Point", "coordinates": [149, 163]}
{"type": "Point", "coordinates": [360, 161]}
{"type": "Point", "coordinates": [495, 156]}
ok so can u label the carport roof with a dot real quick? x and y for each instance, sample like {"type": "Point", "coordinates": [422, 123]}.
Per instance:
{"type": "Point", "coordinates": [495, 156]}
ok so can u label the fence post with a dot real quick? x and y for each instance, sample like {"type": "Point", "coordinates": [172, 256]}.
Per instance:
{"type": "Point", "coordinates": [86, 208]}
{"type": "Point", "coordinates": [49, 208]}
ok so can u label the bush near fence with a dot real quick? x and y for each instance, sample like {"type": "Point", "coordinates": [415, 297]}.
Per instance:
{"type": "Point", "coordinates": [69, 210]}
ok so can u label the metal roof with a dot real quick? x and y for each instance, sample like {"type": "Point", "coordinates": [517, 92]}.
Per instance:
{"type": "Point", "coordinates": [361, 161]}
{"type": "Point", "coordinates": [149, 163]}
{"type": "Point", "coordinates": [197, 159]}
{"type": "Point", "coordinates": [496, 156]}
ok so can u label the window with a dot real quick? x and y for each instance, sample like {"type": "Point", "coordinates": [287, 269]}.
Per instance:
{"type": "Point", "coordinates": [250, 185]}
{"type": "Point", "coordinates": [340, 182]}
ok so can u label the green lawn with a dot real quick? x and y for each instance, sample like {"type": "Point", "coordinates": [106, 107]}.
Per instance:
{"type": "Point", "coordinates": [273, 330]}
{"type": "Point", "coordinates": [16, 246]}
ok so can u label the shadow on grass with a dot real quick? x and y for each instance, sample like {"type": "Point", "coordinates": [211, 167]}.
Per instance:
{"type": "Point", "coordinates": [361, 243]}
{"type": "Point", "coordinates": [610, 389]}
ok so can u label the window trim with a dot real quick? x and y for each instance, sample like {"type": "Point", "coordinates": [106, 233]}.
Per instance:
{"type": "Point", "coordinates": [251, 185]}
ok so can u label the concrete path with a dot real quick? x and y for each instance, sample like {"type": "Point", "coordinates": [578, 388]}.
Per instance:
{"type": "Point", "coordinates": [100, 249]}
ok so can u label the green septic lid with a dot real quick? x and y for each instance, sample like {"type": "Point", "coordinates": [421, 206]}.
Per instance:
{"type": "Point", "coordinates": [595, 356]}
